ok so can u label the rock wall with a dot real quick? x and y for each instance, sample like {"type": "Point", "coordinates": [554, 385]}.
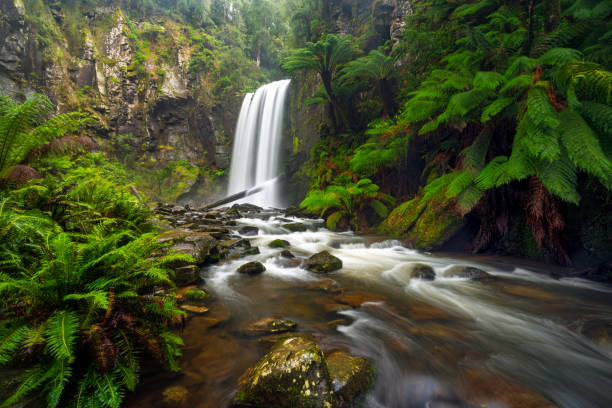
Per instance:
{"type": "Point", "coordinates": [148, 107]}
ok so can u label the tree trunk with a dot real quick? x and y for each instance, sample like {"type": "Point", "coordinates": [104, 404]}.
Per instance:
{"type": "Point", "coordinates": [529, 42]}
{"type": "Point", "coordinates": [337, 110]}
{"type": "Point", "coordinates": [553, 15]}
{"type": "Point", "coordinates": [387, 98]}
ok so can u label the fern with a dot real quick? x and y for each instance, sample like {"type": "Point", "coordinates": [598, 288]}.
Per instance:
{"type": "Point", "coordinates": [61, 373]}
{"type": "Point", "coordinates": [583, 147]}
{"type": "Point", "coordinates": [11, 339]}
{"type": "Point", "coordinates": [61, 332]}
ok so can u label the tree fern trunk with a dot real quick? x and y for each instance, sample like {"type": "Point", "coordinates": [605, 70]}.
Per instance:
{"type": "Point", "coordinates": [553, 15]}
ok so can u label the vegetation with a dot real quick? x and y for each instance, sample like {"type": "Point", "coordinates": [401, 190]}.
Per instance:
{"type": "Point", "coordinates": [80, 264]}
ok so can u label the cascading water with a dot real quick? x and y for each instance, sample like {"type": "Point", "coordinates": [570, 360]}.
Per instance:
{"type": "Point", "coordinates": [257, 143]}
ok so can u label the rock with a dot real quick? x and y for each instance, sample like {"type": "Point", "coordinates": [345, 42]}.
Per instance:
{"type": "Point", "coordinates": [175, 396]}
{"type": "Point", "coordinates": [285, 253]}
{"type": "Point", "coordinates": [196, 294]}
{"type": "Point", "coordinates": [292, 375]}
{"type": "Point", "coordinates": [234, 243]}
{"type": "Point", "coordinates": [295, 227]}
{"type": "Point", "coordinates": [422, 271]}
{"type": "Point", "coordinates": [200, 245]}
{"type": "Point", "coordinates": [212, 215]}
{"type": "Point", "coordinates": [198, 310]}
{"type": "Point", "coordinates": [248, 230]}
{"type": "Point", "coordinates": [252, 268]}
{"type": "Point", "coordinates": [233, 212]}
{"type": "Point", "coordinates": [252, 251]}
{"type": "Point", "coordinates": [468, 272]}
{"type": "Point", "coordinates": [599, 331]}
{"type": "Point", "coordinates": [279, 243]}
{"type": "Point", "coordinates": [270, 325]}
{"type": "Point", "coordinates": [323, 262]}
{"type": "Point", "coordinates": [350, 375]}
{"type": "Point", "coordinates": [187, 275]}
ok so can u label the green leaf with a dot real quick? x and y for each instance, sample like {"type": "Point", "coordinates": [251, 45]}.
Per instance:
{"type": "Point", "coordinates": [61, 332]}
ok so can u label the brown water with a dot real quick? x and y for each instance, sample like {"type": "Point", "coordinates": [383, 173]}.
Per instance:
{"type": "Point", "coordinates": [512, 341]}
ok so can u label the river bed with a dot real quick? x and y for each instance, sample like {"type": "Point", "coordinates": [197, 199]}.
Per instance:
{"type": "Point", "coordinates": [516, 339]}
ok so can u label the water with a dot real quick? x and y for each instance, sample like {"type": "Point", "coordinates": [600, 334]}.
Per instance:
{"type": "Point", "coordinates": [257, 143]}
{"type": "Point", "coordinates": [515, 340]}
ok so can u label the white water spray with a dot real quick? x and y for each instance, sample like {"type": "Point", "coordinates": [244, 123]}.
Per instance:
{"type": "Point", "coordinates": [257, 143]}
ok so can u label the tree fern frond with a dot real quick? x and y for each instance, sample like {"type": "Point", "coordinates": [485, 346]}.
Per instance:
{"type": "Point", "coordinates": [459, 183]}
{"type": "Point", "coordinates": [559, 177]}
{"type": "Point", "coordinates": [583, 147]}
{"type": "Point", "coordinates": [494, 108]}
{"type": "Point", "coordinates": [537, 131]}
{"type": "Point", "coordinates": [468, 198]}
{"type": "Point", "coordinates": [488, 80]}
{"type": "Point", "coordinates": [589, 78]}
{"type": "Point", "coordinates": [333, 220]}
{"type": "Point", "coordinates": [560, 56]}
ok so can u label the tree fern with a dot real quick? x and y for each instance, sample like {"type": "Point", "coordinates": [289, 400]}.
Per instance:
{"type": "Point", "coordinates": [583, 147]}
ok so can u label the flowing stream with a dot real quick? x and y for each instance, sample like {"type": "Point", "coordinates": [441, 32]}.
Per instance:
{"type": "Point", "coordinates": [516, 339]}
{"type": "Point", "coordinates": [257, 143]}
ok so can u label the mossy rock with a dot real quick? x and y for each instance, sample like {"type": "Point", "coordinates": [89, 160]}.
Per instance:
{"type": "Point", "coordinates": [285, 253]}
{"type": "Point", "coordinates": [323, 262]}
{"type": "Point", "coordinates": [351, 376]}
{"type": "Point", "coordinates": [422, 271]}
{"type": "Point", "coordinates": [426, 224]}
{"type": "Point", "coordinates": [252, 251]}
{"type": "Point", "coordinates": [466, 272]}
{"type": "Point", "coordinates": [292, 375]}
{"type": "Point", "coordinates": [196, 295]}
{"type": "Point", "coordinates": [279, 243]}
{"type": "Point", "coordinates": [270, 325]}
{"type": "Point", "coordinates": [295, 227]}
{"type": "Point", "coordinates": [252, 268]}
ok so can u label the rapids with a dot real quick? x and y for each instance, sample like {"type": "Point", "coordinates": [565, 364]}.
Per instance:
{"type": "Point", "coordinates": [514, 340]}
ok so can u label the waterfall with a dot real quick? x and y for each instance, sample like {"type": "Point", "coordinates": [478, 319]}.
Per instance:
{"type": "Point", "coordinates": [257, 143]}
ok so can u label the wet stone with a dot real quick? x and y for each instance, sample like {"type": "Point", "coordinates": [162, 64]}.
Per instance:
{"type": "Point", "coordinates": [175, 396]}
{"type": "Point", "coordinates": [466, 272]}
{"type": "Point", "coordinates": [422, 271]}
{"type": "Point", "coordinates": [292, 375]}
{"type": "Point", "coordinates": [270, 325]}
{"type": "Point", "coordinates": [285, 253]}
{"type": "Point", "coordinates": [187, 275]}
{"type": "Point", "coordinates": [196, 295]}
{"type": "Point", "coordinates": [252, 268]}
{"type": "Point", "coordinates": [350, 376]}
{"type": "Point", "coordinates": [295, 227]}
{"type": "Point", "coordinates": [279, 243]}
{"type": "Point", "coordinates": [248, 230]}
{"type": "Point", "coordinates": [198, 310]}
{"type": "Point", "coordinates": [323, 262]}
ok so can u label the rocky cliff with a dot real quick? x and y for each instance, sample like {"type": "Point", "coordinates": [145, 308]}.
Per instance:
{"type": "Point", "coordinates": [136, 76]}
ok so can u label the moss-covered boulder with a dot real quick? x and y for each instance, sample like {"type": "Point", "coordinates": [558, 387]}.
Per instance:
{"type": "Point", "coordinates": [292, 375]}
{"type": "Point", "coordinates": [295, 227]}
{"type": "Point", "coordinates": [202, 246]}
{"type": "Point", "coordinates": [279, 243]}
{"type": "Point", "coordinates": [196, 295]}
{"type": "Point", "coordinates": [285, 253]}
{"type": "Point", "coordinates": [252, 268]}
{"type": "Point", "coordinates": [426, 224]}
{"type": "Point", "coordinates": [350, 376]}
{"type": "Point", "coordinates": [466, 272]}
{"type": "Point", "coordinates": [323, 262]}
{"type": "Point", "coordinates": [187, 275]}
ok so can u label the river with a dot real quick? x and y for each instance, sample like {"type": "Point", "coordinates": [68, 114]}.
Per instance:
{"type": "Point", "coordinates": [512, 340]}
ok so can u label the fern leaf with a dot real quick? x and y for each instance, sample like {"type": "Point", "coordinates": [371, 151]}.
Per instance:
{"type": "Point", "coordinates": [379, 208]}
{"type": "Point", "coordinates": [11, 339]}
{"type": "Point", "coordinates": [468, 198]}
{"type": "Point", "coordinates": [495, 108]}
{"type": "Point", "coordinates": [61, 373]}
{"type": "Point", "coordinates": [583, 147]}
{"type": "Point", "coordinates": [333, 219]}
{"type": "Point", "coordinates": [488, 80]}
{"type": "Point", "coordinates": [61, 332]}
{"type": "Point", "coordinates": [31, 380]}
{"type": "Point", "coordinates": [559, 177]}
{"type": "Point", "coordinates": [98, 298]}
{"type": "Point", "coordinates": [460, 182]}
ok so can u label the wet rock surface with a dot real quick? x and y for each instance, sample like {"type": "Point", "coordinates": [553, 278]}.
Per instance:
{"type": "Point", "coordinates": [270, 325]}
{"type": "Point", "coordinates": [279, 243]}
{"type": "Point", "coordinates": [292, 375]}
{"type": "Point", "coordinates": [422, 271]}
{"type": "Point", "coordinates": [252, 268]}
{"type": "Point", "coordinates": [350, 376]}
{"type": "Point", "coordinates": [467, 272]}
{"type": "Point", "coordinates": [323, 262]}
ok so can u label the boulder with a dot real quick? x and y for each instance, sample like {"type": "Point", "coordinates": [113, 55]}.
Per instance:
{"type": "Point", "coordinates": [270, 325]}
{"type": "Point", "coordinates": [187, 275]}
{"type": "Point", "coordinates": [252, 268]}
{"type": "Point", "coordinates": [285, 253]}
{"type": "Point", "coordinates": [350, 376]}
{"type": "Point", "coordinates": [295, 227]}
{"type": "Point", "coordinates": [292, 375]}
{"type": "Point", "coordinates": [248, 230]}
{"type": "Point", "coordinates": [279, 243]}
{"type": "Point", "coordinates": [196, 295]}
{"type": "Point", "coordinates": [252, 251]}
{"type": "Point", "coordinates": [422, 271]}
{"type": "Point", "coordinates": [198, 310]}
{"type": "Point", "coordinates": [467, 272]}
{"type": "Point", "coordinates": [200, 245]}
{"type": "Point", "coordinates": [323, 262]}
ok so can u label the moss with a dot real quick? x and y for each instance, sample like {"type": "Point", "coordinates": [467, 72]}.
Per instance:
{"type": "Point", "coordinates": [426, 224]}
{"type": "Point", "coordinates": [196, 294]}
{"type": "Point", "coordinates": [278, 243]}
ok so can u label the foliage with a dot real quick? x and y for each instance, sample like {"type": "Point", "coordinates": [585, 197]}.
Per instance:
{"type": "Point", "coordinates": [342, 204]}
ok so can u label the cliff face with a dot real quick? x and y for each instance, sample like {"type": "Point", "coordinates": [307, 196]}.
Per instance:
{"type": "Point", "coordinates": [147, 100]}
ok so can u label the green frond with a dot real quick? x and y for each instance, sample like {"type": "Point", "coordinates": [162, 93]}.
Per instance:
{"type": "Point", "coordinates": [488, 80]}
{"type": "Point", "coordinates": [521, 65]}
{"type": "Point", "coordinates": [473, 157]}
{"type": "Point", "coordinates": [28, 382]}
{"type": "Point", "coordinates": [537, 132]}
{"type": "Point", "coordinates": [98, 298]}
{"type": "Point", "coordinates": [61, 332]}
{"type": "Point", "coordinates": [11, 339]}
{"type": "Point", "coordinates": [60, 375]}
{"type": "Point", "coordinates": [379, 208]}
{"type": "Point", "coordinates": [459, 183]}
{"type": "Point", "coordinates": [517, 85]}
{"type": "Point", "coordinates": [563, 35]}
{"type": "Point", "coordinates": [560, 56]}
{"type": "Point", "coordinates": [468, 198]}
{"type": "Point", "coordinates": [495, 108]}
{"type": "Point", "coordinates": [593, 81]}
{"type": "Point", "coordinates": [333, 219]}
{"type": "Point", "coordinates": [559, 177]}
{"type": "Point", "coordinates": [583, 147]}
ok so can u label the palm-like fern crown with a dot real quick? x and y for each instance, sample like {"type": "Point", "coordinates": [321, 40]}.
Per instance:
{"type": "Point", "coordinates": [376, 65]}
{"type": "Point", "coordinates": [325, 55]}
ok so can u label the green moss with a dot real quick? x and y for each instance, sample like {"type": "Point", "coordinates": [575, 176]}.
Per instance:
{"type": "Point", "coordinates": [426, 224]}
{"type": "Point", "coordinates": [196, 294]}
